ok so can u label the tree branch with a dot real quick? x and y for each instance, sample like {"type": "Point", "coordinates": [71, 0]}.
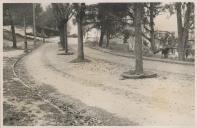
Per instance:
{"type": "Point", "coordinates": [146, 37]}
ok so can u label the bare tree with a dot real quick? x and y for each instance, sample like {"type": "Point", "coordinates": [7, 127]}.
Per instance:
{"type": "Point", "coordinates": [80, 13]}
{"type": "Point", "coordinates": [9, 14]}
{"type": "Point", "coordinates": [183, 28]}
{"type": "Point", "coordinates": [152, 10]}
{"type": "Point", "coordinates": [63, 12]}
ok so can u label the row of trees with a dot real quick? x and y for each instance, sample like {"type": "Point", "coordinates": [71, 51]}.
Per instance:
{"type": "Point", "coordinates": [115, 18]}
{"type": "Point", "coordinates": [108, 18]}
{"type": "Point", "coordinates": [64, 12]}
{"type": "Point", "coordinates": [185, 21]}
{"type": "Point", "coordinates": [20, 14]}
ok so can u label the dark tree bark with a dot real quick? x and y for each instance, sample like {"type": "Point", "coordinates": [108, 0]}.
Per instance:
{"type": "Point", "coordinates": [186, 29]}
{"type": "Point", "coordinates": [63, 12]}
{"type": "Point", "coordinates": [62, 35]}
{"type": "Point", "coordinates": [80, 40]}
{"type": "Point", "coordinates": [25, 38]}
{"type": "Point", "coordinates": [182, 30]}
{"type": "Point", "coordinates": [66, 38]}
{"type": "Point", "coordinates": [101, 36]}
{"type": "Point", "coordinates": [138, 38]}
{"type": "Point", "coordinates": [179, 26]}
{"type": "Point", "coordinates": [108, 37]}
{"type": "Point", "coordinates": [13, 36]}
{"type": "Point", "coordinates": [80, 13]}
{"type": "Point", "coordinates": [152, 38]}
{"type": "Point", "coordinates": [13, 30]}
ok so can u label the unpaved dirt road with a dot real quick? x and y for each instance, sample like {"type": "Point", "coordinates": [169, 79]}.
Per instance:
{"type": "Point", "coordinates": [21, 105]}
{"type": "Point", "coordinates": [25, 103]}
{"type": "Point", "coordinates": [165, 100]}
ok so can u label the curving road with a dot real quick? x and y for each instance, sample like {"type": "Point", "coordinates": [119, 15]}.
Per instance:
{"type": "Point", "coordinates": [165, 100]}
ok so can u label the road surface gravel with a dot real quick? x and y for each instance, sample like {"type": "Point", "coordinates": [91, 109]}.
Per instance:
{"type": "Point", "coordinates": [165, 100]}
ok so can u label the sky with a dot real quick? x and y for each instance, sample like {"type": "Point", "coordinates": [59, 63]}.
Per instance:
{"type": "Point", "coordinates": [44, 5]}
{"type": "Point", "coordinates": [163, 22]}
{"type": "Point", "coordinates": [166, 22]}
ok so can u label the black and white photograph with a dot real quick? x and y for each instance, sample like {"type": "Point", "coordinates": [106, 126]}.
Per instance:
{"type": "Point", "coordinates": [97, 63]}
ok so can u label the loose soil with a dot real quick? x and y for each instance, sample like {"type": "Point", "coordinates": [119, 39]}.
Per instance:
{"type": "Point", "coordinates": [24, 107]}
{"type": "Point", "coordinates": [155, 101]}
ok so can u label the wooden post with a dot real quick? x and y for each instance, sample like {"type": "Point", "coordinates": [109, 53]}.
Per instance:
{"type": "Point", "coordinates": [25, 42]}
{"type": "Point", "coordinates": [12, 29]}
{"type": "Point", "coordinates": [34, 24]}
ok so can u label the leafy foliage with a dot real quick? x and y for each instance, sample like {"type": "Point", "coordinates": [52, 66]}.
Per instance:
{"type": "Point", "coordinates": [18, 11]}
{"type": "Point", "coordinates": [62, 11]}
{"type": "Point", "coordinates": [47, 18]}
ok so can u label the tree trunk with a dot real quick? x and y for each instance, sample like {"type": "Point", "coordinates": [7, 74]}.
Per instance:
{"type": "Point", "coordinates": [80, 40]}
{"type": "Point", "coordinates": [138, 38]}
{"type": "Point", "coordinates": [34, 23]}
{"type": "Point", "coordinates": [13, 31]}
{"type": "Point", "coordinates": [62, 35]}
{"type": "Point", "coordinates": [13, 36]}
{"type": "Point", "coordinates": [101, 36]}
{"type": "Point", "coordinates": [66, 39]}
{"type": "Point", "coordinates": [108, 36]}
{"type": "Point", "coordinates": [186, 29]}
{"type": "Point", "coordinates": [25, 39]}
{"type": "Point", "coordinates": [180, 31]}
{"type": "Point", "coordinates": [152, 39]}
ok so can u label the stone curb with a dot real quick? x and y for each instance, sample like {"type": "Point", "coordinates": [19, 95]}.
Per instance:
{"type": "Point", "coordinates": [145, 58]}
